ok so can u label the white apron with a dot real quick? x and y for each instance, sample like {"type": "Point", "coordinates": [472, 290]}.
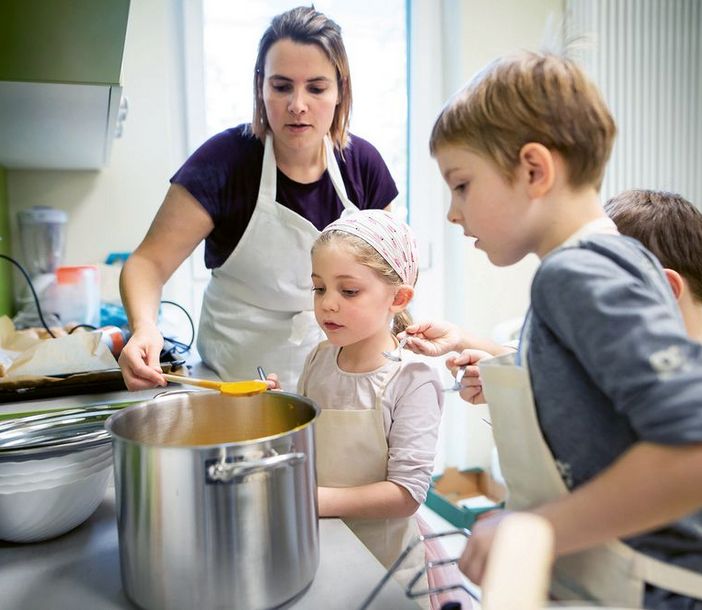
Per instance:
{"type": "Point", "coordinates": [611, 573]}
{"type": "Point", "coordinates": [258, 309]}
{"type": "Point", "coordinates": [352, 450]}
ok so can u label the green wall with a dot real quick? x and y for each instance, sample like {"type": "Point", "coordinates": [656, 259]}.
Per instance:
{"type": "Point", "coordinates": [6, 299]}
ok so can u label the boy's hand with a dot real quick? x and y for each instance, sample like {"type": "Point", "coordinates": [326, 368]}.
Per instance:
{"type": "Point", "coordinates": [432, 338]}
{"type": "Point", "coordinates": [474, 558]}
{"type": "Point", "coordinates": [472, 384]}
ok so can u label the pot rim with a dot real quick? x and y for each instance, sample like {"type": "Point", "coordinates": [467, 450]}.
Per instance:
{"type": "Point", "coordinates": [229, 445]}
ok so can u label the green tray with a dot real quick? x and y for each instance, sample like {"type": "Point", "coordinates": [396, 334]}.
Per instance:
{"type": "Point", "coordinates": [460, 516]}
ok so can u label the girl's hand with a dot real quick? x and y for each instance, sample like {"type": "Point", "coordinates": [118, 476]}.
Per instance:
{"type": "Point", "coordinates": [474, 558]}
{"type": "Point", "coordinates": [273, 383]}
{"type": "Point", "coordinates": [140, 359]}
{"type": "Point", "coordinates": [472, 384]}
{"type": "Point", "coordinates": [432, 338]}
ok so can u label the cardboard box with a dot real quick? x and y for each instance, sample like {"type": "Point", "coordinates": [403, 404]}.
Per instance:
{"type": "Point", "coordinates": [456, 487]}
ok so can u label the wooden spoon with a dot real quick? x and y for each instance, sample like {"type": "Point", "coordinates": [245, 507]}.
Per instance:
{"type": "Point", "coordinates": [519, 566]}
{"type": "Point", "coordinates": [233, 388]}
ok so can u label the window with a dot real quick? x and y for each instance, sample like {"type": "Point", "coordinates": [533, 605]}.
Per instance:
{"type": "Point", "coordinates": [375, 37]}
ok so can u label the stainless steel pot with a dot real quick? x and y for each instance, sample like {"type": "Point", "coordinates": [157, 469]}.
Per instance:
{"type": "Point", "coordinates": [216, 500]}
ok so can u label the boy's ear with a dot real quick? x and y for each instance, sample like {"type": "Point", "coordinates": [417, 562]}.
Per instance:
{"type": "Point", "coordinates": [538, 166]}
{"type": "Point", "coordinates": [403, 296]}
{"type": "Point", "coordinates": [676, 281]}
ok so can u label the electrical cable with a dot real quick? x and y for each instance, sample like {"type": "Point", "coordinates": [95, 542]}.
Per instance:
{"type": "Point", "coordinates": [77, 326]}
{"type": "Point", "coordinates": [34, 292]}
{"type": "Point", "coordinates": [182, 346]}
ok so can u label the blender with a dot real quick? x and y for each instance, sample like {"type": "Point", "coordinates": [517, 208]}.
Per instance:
{"type": "Point", "coordinates": [42, 232]}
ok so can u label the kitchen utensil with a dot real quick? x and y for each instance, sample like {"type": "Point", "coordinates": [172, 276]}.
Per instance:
{"type": "Point", "coordinates": [49, 464]}
{"type": "Point", "coordinates": [232, 388]}
{"type": "Point", "coordinates": [411, 588]}
{"type": "Point", "coordinates": [42, 236]}
{"type": "Point", "coordinates": [220, 487]}
{"type": "Point", "coordinates": [456, 387]}
{"type": "Point", "coordinates": [56, 479]}
{"type": "Point", "coordinates": [54, 433]}
{"type": "Point", "coordinates": [78, 294]}
{"type": "Point", "coordinates": [47, 512]}
{"type": "Point", "coordinates": [11, 478]}
{"type": "Point", "coordinates": [396, 354]}
{"type": "Point", "coordinates": [513, 578]}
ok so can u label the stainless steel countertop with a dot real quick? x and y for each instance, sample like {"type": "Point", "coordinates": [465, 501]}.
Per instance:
{"type": "Point", "coordinates": [80, 570]}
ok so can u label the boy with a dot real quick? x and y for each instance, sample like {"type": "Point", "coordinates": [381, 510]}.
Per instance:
{"type": "Point", "coordinates": [610, 445]}
{"type": "Point", "coordinates": [670, 227]}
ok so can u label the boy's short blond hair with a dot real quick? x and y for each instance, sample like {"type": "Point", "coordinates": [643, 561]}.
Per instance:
{"type": "Point", "coordinates": [531, 97]}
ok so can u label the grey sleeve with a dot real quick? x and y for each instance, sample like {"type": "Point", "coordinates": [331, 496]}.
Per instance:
{"type": "Point", "coordinates": [628, 336]}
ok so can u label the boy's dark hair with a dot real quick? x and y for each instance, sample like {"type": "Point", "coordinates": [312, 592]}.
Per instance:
{"type": "Point", "coordinates": [668, 225]}
{"type": "Point", "coordinates": [531, 97]}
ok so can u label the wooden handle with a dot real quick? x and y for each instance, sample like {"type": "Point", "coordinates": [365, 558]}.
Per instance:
{"type": "Point", "coordinates": [202, 383]}
{"type": "Point", "coordinates": [519, 566]}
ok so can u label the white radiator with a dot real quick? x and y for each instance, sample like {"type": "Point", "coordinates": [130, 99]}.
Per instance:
{"type": "Point", "coordinates": [646, 56]}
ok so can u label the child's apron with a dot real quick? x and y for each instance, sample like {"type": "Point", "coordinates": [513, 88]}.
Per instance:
{"type": "Point", "coordinates": [352, 451]}
{"type": "Point", "coordinates": [611, 573]}
{"type": "Point", "coordinates": [258, 308]}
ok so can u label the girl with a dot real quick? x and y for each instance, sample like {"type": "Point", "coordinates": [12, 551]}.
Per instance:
{"type": "Point", "coordinates": [377, 432]}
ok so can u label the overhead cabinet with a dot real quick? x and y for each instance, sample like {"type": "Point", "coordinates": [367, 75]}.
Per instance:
{"type": "Point", "coordinates": [60, 75]}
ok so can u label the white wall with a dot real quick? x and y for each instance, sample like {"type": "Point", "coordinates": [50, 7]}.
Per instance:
{"type": "Point", "coordinates": [110, 210]}
{"type": "Point", "coordinates": [490, 29]}
{"type": "Point", "coordinates": [479, 295]}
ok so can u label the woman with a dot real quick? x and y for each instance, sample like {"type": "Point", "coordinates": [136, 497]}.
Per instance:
{"type": "Point", "coordinates": [259, 195]}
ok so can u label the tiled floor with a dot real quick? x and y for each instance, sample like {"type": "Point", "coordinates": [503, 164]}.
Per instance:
{"type": "Point", "coordinates": [453, 544]}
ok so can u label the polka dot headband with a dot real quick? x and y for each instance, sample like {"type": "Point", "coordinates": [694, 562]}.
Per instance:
{"type": "Point", "coordinates": [392, 238]}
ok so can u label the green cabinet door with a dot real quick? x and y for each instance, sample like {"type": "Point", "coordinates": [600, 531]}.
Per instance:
{"type": "Point", "coordinates": [62, 41]}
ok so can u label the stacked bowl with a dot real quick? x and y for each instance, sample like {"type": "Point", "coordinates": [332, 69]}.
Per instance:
{"type": "Point", "coordinates": [54, 470]}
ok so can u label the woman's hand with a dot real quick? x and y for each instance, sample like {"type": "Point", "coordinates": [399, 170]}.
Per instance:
{"type": "Point", "coordinates": [471, 384]}
{"type": "Point", "coordinates": [140, 359]}
{"type": "Point", "coordinates": [432, 338]}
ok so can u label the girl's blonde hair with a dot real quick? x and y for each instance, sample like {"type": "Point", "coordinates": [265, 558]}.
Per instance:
{"type": "Point", "coordinates": [367, 255]}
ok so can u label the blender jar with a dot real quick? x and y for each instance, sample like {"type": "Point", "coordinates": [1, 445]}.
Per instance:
{"type": "Point", "coordinates": [42, 233]}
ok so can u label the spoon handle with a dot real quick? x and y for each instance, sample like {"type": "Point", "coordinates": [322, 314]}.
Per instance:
{"type": "Point", "coordinates": [202, 383]}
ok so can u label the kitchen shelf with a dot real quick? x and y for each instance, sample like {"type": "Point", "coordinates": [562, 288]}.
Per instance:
{"type": "Point", "coordinates": [60, 75]}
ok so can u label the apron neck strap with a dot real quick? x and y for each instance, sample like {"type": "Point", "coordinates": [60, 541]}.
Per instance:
{"type": "Point", "coordinates": [269, 173]}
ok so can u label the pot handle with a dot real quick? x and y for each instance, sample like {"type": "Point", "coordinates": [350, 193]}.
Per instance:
{"type": "Point", "coordinates": [222, 471]}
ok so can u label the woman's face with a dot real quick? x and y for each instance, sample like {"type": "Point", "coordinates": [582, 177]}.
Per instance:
{"type": "Point", "coordinates": [300, 94]}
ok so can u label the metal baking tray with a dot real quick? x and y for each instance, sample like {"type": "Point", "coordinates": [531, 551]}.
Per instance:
{"type": "Point", "coordinates": [36, 388]}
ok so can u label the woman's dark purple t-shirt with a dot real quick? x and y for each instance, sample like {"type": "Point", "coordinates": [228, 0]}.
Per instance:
{"type": "Point", "coordinates": [225, 172]}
